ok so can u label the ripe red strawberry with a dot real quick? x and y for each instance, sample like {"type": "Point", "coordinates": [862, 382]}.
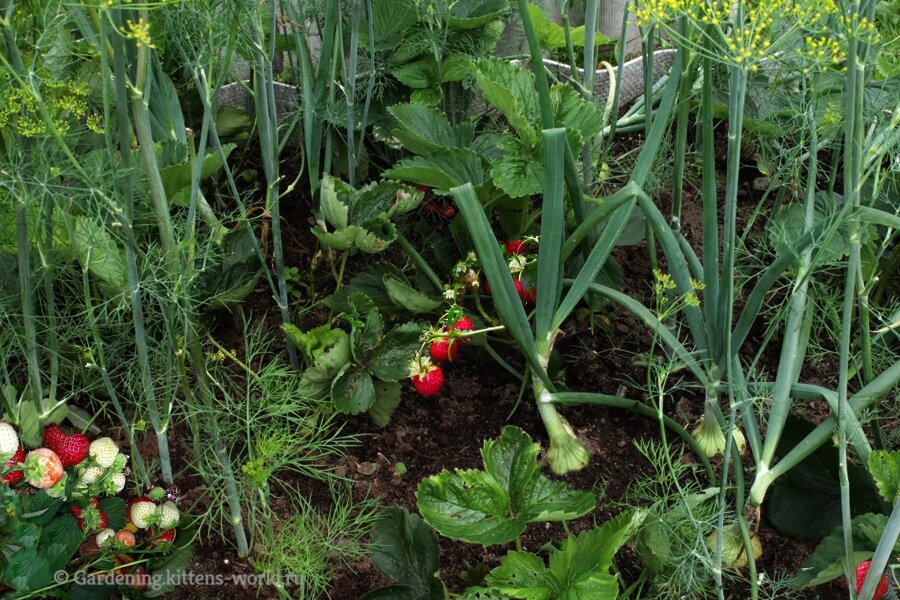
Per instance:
{"type": "Point", "coordinates": [448, 212]}
{"type": "Point", "coordinates": [427, 378]}
{"type": "Point", "coordinates": [161, 539]}
{"type": "Point", "coordinates": [53, 436]}
{"type": "Point", "coordinates": [515, 247]}
{"type": "Point", "coordinates": [527, 296]}
{"type": "Point", "coordinates": [444, 350]}
{"type": "Point", "coordinates": [430, 383]}
{"type": "Point", "coordinates": [71, 449]}
{"type": "Point", "coordinates": [431, 207]}
{"type": "Point", "coordinates": [861, 570]}
{"type": "Point", "coordinates": [14, 477]}
{"type": "Point", "coordinates": [462, 325]}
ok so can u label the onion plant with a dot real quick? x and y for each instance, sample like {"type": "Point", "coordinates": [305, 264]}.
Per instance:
{"type": "Point", "coordinates": [741, 43]}
{"type": "Point", "coordinates": [553, 306]}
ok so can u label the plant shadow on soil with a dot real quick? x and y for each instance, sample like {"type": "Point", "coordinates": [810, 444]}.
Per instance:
{"type": "Point", "coordinates": [447, 432]}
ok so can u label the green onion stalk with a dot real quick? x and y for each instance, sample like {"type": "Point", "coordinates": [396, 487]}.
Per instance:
{"type": "Point", "coordinates": [264, 95]}
{"type": "Point", "coordinates": [142, 91]}
{"type": "Point", "coordinates": [854, 135]}
{"type": "Point", "coordinates": [317, 85]}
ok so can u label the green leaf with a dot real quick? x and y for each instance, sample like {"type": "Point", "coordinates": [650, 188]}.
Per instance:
{"type": "Point", "coordinates": [430, 96]}
{"type": "Point", "coordinates": [353, 391]}
{"type": "Point", "coordinates": [510, 89]}
{"type": "Point", "coordinates": [335, 199]}
{"type": "Point", "coordinates": [826, 561]}
{"type": "Point", "coordinates": [419, 75]}
{"type": "Point", "coordinates": [581, 557]}
{"type": "Point", "coordinates": [652, 543]}
{"type": "Point", "coordinates": [456, 67]}
{"type": "Point", "coordinates": [815, 482]}
{"type": "Point", "coordinates": [787, 226]}
{"type": "Point", "coordinates": [579, 568]}
{"type": "Point", "coordinates": [169, 566]}
{"type": "Point", "coordinates": [29, 421]}
{"type": "Point", "coordinates": [387, 399]}
{"type": "Point", "coordinates": [316, 380]}
{"type": "Point", "coordinates": [114, 507]}
{"type": "Point", "coordinates": [376, 236]}
{"type": "Point", "coordinates": [229, 279]}
{"type": "Point", "coordinates": [523, 575]}
{"type": "Point", "coordinates": [390, 23]}
{"type": "Point", "coordinates": [495, 505]}
{"type": "Point", "coordinates": [380, 200]}
{"type": "Point", "coordinates": [390, 361]}
{"type": "Point", "coordinates": [314, 342]}
{"type": "Point", "coordinates": [27, 570]}
{"type": "Point", "coordinates": [364, 339]}
{"type": "Point", "coordinates": [552, 36]}
{"type": "Point", "coordinates": [369, 282]}
{"type": "Point", "coordinates": [60, 540]}
{"type": "Point", "coordinates": [91, 592]}
{"type": "Point", "coordinates": [99, 252]}
{"type": "Point", "coordinates": [519, 172]}
{"type": "Point", "coordinates": [409, 298]}
{"type": "Point", "coordinates": [40, 508]}
{"type": "Point", "coordinates": [441, 170]}
{"type": "Point", "coordinates": [885, 469]}
{"type": "Point", "coordinates": [576, 114]}
{"type": "Point", "coordinates": [342, 239]}
{"type": "Point", "coordinates": [424, 129]}
{"type": "Point", "coordinates": [471, 14]}
{"type": "Point", "coordinates": [177, 178]}
{"type": "Point", "coordinates": [405, 549]}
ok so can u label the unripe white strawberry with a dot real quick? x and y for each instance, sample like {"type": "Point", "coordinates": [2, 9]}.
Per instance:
{"type": "Point", "coordinates": [105, 537]}
{"type": "Point", "coordinates": [167, 515]}
{"type": "Point", "coordinates": [58, 490]}
{"type": "Point", "coordinates": [143, 514]}
{"type": "Point", "coordinates": [117, 483]}
{"type": "Point", "coordinates": [104, 451]}
{"type": "Point", "coordinates": [9, 441]}
{"type": "Point", "coordinates": [90, 475]}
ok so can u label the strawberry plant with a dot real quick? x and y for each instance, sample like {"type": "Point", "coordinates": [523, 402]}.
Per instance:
{"type": "Point", "coordinates": [361, 219]}
{"type": "Point", "coordinates": [61, 517]}
{"type": "Point", "coordinates": [494, 506]}
{"type": "Point", "coordinates": [361, 371]}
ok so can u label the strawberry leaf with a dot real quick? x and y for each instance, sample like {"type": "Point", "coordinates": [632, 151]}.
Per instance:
{"type": "Point", "coordinates": [424, 129]}
{"type": "Point", "coordinates": [495, 506]}
{"type": "Point", "coordinates": [885, 469]}
{"type": "Point", "coordinates": [578, 569]}
{"type": "Point", "coordinates": [390, 361]}
{"type": "Point", "coordinates": [353, 391]}
{"type": "Point", "coordinates": [410, 298]}
{"type": "Point", "coordinates": [406, 550]}
{"type": "Point", "coordinates": [827, 560]}
{"type": "Point", "coordinates": [387, 399]}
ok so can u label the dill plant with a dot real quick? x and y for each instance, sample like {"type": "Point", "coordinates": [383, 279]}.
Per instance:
{"type": "Point", "coordinates": [313, 544]}
{"type": "Point", "coordinates": [270, 430]}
